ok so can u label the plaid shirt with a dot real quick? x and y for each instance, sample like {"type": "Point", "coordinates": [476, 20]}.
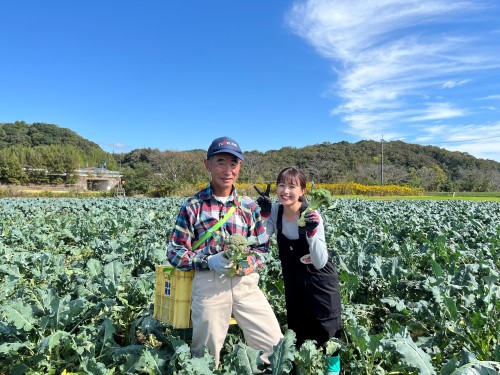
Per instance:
{"type": "Point", "coordinates": [201, 212]}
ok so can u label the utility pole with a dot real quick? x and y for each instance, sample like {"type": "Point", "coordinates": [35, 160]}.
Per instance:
{"type": "Point", "coordinates": [382, 161]}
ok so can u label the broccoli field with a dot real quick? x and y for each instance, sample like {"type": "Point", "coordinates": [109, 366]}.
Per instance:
{"type": "Point", "coordinates": [419, 282]}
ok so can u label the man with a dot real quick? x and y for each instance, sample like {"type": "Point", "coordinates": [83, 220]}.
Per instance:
{"type": "Point", "coordinates": [215, 295]}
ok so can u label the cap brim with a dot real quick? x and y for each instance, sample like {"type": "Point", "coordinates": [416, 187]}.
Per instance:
{"type": "Point", "coordinates": [232, 152]}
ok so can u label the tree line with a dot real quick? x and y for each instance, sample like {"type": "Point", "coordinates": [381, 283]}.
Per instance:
{"type": "Point", "coordinates": [427, 167]}
{"type": "Point", "coordinates": [42, 153]}
{"type": "Point", "coordinates": [28, 149]}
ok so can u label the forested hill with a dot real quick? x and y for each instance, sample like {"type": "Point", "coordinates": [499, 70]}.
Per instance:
{"type": "Point", "coordinates": [41, 134]}
{"type": "Point", "coordinates": [25, 147]}
{"type": "Point", "coordinates": [400, 162]}
{"type": "Point", "coordinates": [429, 167]}
{"type": "Point", "coordinates": [43, 153]}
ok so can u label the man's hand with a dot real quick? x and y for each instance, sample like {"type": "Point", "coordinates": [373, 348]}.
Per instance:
{"type": "Point", "coordinates": [219, 263]}
{"type": "Point", "coordinates": [312, 221]}
{"type": "Point", "coordinates": [264, 201]}
{"type": "Point", "coordinates": [247, 270]}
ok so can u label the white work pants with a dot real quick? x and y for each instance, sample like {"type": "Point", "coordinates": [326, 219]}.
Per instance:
{"type": "Point", "coordinates": [215, 297]}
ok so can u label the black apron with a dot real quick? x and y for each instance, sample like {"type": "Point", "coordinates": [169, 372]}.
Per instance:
{"type": "Point", "coordinates": [312, 296]}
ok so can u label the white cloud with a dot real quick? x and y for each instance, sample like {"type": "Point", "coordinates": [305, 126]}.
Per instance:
{"type": "Point", "coordinates": [484, 149]}
{"type": "Point", "coordinates": [393, 59]}
{"type": "Point", "coordinates": [480, 140]}
{"type": "Point", "coordinates": [438, 111]}
{"type": "Point", "coordinates": [451, 84]}
{"type": "Point", "coordinates": [492, 97]}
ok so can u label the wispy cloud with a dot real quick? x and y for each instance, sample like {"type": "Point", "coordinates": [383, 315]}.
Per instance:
{"type": "Point", "coordinates": [451, 84]}
{"type": "Point", "coordinates": [402, 65]}
{"type": "Point", "coordinates": [490, 97]}
{"type": "Point", "coordinates": [438, 111]}
{"type": "Point", "coordinates": [479, 140]}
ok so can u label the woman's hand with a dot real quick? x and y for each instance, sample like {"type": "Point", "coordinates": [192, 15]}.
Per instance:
{"type": "Point", "coordinates": [264, 201]}
{"type": "Point", "coordinates": [312, 221]}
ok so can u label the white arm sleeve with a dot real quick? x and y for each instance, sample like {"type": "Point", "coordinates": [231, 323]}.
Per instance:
{"type": "Point", "coordinates": [317, 243]}
{"type": "Point", "coordinates": [270, 221]}
{"type": "Point", "coordinates": [317, 247]}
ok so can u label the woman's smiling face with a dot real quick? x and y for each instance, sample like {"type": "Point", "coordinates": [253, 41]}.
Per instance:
{"type": "Point", "coordinates": [289, 192]}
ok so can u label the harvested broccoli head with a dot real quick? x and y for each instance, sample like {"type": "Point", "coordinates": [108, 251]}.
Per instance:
{"type": "Point", "coordinates": [236, 244]}
{"type": "Point", "coordinates": [319, 197]}
{"type": "Point", "coordinates": [237, 251]}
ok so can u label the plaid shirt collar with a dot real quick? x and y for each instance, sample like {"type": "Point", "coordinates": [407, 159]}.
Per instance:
{"type": "Point", "coordinates": [207, 194]}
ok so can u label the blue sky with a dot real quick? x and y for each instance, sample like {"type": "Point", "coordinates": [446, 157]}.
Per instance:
{"type": "Point", "coordinates": [173, 75]}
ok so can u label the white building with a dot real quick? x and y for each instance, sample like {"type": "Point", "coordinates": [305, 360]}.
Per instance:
{"type": "Point", "coordinates": [92, 178]}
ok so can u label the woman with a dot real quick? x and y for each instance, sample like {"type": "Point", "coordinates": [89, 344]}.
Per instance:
{"type": "Point", "coordinates": [311, 281]}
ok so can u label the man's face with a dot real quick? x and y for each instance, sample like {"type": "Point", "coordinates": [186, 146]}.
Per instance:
{"type": "Point", "coordinates": [224, 169]}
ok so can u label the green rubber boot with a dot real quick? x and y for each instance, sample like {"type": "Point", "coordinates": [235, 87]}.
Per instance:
{"type": "Point", "coordinates": [333, 366]}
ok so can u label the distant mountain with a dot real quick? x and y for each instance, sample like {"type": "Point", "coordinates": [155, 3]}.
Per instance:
{"type": "Point", "coordinates": [371, 162]}
{"type": "Point", "coordinates": [41, 134]}
{"type": "Point", "coordinates": [366, 162]}
{"type": "Point", "coordinates": [399, 163]}
{"type": "Point", "coordinates": [43, 153]}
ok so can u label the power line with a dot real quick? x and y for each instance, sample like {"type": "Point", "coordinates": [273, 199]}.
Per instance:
{"type": "Point", "coordinates": [441, 143]}
{"type": "Point", "coordinates": [469, 140]}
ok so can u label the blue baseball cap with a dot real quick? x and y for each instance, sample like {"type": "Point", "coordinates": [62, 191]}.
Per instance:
{"type": "Point", "coordinates": [225, 144]}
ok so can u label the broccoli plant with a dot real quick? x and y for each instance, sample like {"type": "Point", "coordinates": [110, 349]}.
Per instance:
{"type": "Point", "coordinates": [319, 197]}
{"type": "Point", "coordinates": [236, 250]}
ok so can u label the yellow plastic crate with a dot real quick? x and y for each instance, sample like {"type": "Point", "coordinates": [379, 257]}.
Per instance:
{"type": "Point", "coordinates": [173, 296]}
